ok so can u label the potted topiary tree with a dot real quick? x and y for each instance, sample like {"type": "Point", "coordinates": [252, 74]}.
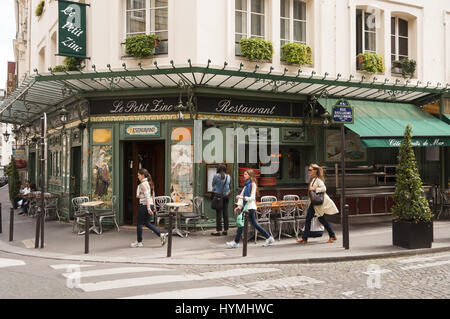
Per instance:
{"type": "Point", "coordinates": [413, 227]}
{"type": "Point", "coordinates": [13, 181]}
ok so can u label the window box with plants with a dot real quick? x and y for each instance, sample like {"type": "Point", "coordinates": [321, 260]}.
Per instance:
{"type": "Point", "coordinates": [70, 64]}
{"type": "Point", "coordinates": [370, 63]}
{"type": "Point", "coordinates": [256, 49]}
{"type": "Point", "coordinates": [39, 9]}
{"type": "Point", "coordinates": [405, 67]}
{"type": "Point", "coordinates": [296, 53]}
{"type": "Point", "coordinates": [141, 46]}
{"type": "Point", "coordinates": [413, 226]}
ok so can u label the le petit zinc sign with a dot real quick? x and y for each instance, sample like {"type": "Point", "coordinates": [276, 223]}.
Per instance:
{"type": "Point", "coordinates": [72, 29]}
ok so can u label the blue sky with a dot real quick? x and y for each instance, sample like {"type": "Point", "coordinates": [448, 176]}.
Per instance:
{"type": "Point", "coordinates": [7, 34]}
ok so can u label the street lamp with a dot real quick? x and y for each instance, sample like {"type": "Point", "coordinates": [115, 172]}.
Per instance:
{"type": "Point", "coordinates": [63, 115]}
{"type": "Point", "coordinates": [326, 118]}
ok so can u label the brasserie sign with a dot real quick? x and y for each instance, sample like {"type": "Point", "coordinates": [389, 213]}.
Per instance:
{"type": "Point", "coordinates": [72, 29]}
{"type": "Point", "coordinates": [204, 104]}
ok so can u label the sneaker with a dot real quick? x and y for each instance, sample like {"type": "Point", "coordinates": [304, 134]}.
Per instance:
{"type": "Point", "coordinates": [269, 241]}
{"type": "Point", "coordinates": [163, 237]}
{"type": "Point", "coordinates": [232, 244]}
{"type": "Point", "coordinates": [136, 244]}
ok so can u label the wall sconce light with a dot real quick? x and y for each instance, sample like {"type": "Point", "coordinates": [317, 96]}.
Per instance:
{"type": "Point", "coordinates": [326, 118]}
{"type": "Point", "coordinates": [6, 135]}
{"type": "Point", "coordinates": [63, 115]}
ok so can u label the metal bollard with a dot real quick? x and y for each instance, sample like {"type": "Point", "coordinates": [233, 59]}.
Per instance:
{"type": "Point", "coordinates": [1, 224]}
{"type": "Point", "coordinates": [86, 234]}
{"type": "Point", "coordinates": [42, 229]}
{"type": "Point", "coordinates": [11, 224]}
{"type": "Point", "coordinates": [345, 236]}
{"type": "Point", "coordinates": [38, 228]}
{"type": "Point", "coordinates": [169, 241]}
{"type": "Point", "coordinates": [244, 248]}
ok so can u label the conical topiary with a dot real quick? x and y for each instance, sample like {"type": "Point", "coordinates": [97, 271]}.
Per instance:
{"type": "Point", "coordinates": [13, 180]}
{"type": "Point", "coordinates": [409, 202]}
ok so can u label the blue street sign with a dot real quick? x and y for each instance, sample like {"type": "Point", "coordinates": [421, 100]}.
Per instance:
{"type": "Point", "coordinates": [343, 112]}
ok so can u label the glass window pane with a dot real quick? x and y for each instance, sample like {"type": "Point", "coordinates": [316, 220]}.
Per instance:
{"type": "Point", "coordinates": [402, 28]}
{"type": "Point", "coordinates": [241, 5]}
{"type": "Point", "coordinates": [359, 48]}
{"type": "Point", "coordinates": [284, 12]}
{"type": "Point", "coordinates": [393, 26]}
{"type": "Point", "coordinates": [135, 4]}
{"type": "Point", "coordinates": [241, 22]}
{"type": "Point", "coordinates": [299, 31]}
{"type": "Point", "coordinates": [258, 6]}
{"type": "Point", "coordinates": [403, 46]}
{"type": "Point", "coordinates": [158, 3]}
{"type": "Point", "coordinates": [294, 163]}
{"type": "Point", "coordinates": [136, 22]}
{"type": "Point", "coordinates": [299, 10]}
{"type": "Point", "coordinates": [284, 34]}
{"type": "Point", "coordinates": [257, 25]}
{"type": "Point", "coordinates": [369, 21]}
{"type": "Point", "coordinates": [393, 46]}
{"type": "Point", "coordinates": [370, 39]}
{"type": "Point", "coordinates": [158, 20]}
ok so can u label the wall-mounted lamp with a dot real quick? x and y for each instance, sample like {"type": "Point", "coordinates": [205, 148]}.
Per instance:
{"type": "Point", "coordinates": [326, 118]}
{"type": "Point", "coordinates": [6, 135]}
{"type": "Point", "coordinates": [63, 115]}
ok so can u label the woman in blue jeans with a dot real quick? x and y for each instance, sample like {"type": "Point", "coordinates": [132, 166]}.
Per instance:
{"type": "Point", "coordinates": [146, 208]}
{"type": "Point", "coordinates": [248, 196]}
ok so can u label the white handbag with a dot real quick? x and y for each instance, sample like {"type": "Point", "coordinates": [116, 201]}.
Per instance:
{"type": "Point", "coordinates": [316, 229]}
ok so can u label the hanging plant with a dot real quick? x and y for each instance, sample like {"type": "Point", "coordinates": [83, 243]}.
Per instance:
{"type": "Point", "coordinates": [40, 8]}
{"type": "Point", "coordinates": [408, 67]}
{"type": "Point", "coordinates": [371, 62]}
{"type": "Point", "coordinates": [70, 64]}
{"type": "Point", "coordinates": [296, 53]}
{"type": "Point", "coordinates": [256, 49]}
{"type": "Point", "coordinates": [141, 46]}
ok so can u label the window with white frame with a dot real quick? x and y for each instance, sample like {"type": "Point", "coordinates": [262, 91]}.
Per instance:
{"type": "Point", "coordinates": [366, 34]}
{"type": "Point", "coordinates": [149, 17]}
{"type": "Point", "coordinates": [399, 39]}
{"type": "Point", "coordinates": [292, 21]}
{"type": "Point", "coordinates": [249, 21]}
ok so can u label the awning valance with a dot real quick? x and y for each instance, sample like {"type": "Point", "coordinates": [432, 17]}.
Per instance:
{"type": "Point", "coordinates": [382, 124]}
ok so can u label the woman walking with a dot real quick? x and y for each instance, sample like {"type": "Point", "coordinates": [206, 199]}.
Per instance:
{"type": "Point", "coordinates": [146, 208]}
{"type": "Point", "coordinates": [248, 197]}
{"type": "Point", "coordinates": [317, 184]}
{"type": "Point", "coordinates": [221, 188]}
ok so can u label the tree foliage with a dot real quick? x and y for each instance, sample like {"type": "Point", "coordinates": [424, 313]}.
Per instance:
{"type": "Point", "coordinates": [409, 202]}
{"type": "Point", "coordinates": [13, 180]}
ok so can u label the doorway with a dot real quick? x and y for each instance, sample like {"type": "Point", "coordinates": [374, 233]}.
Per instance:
{"type": "Point", "coordinates": [141, 154]}
{"type": "Point", "coordinates": [75, 172]}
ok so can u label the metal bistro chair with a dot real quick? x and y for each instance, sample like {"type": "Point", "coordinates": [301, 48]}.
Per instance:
{"type": "Point", "coordinates": [79, 212]}
{"type": "Point", "coordinates": [288, 211]}
{"type": "Point", "coordinates": [32, 209]}
{"type": "Point", "coordinates": [301, 214]}
{"type": "Point", "coordinates": [161, 209]}
{"type": "Point", "coordinates": [263, 217]}
{"type": "Point", "coordinates": [445, 202]}
{"type": "Point", "coordinates": [268, 199]}
{"type": "Point", "coordinates": [51, 205]}
{"type": "Point", "coordinates": [108, 214]}
{"type": "Point", "coordinates": [196, 215]}
{"type": "Point", "coordinates": [291, 197]}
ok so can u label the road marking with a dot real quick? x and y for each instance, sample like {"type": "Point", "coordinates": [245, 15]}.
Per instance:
{"type": "Point", "coordinates": [422, 259]}
{"type": "Point", "coordinates": [155, 280]}
{"type": "Point", "coordinates": [112, 271]}
{"type": "Point", "coordinates": [419, 266]}
{"type": "Point", "coordinates": [282, 283]}
{"type": "Point", "coordinates": [348, 293]}
{"type": "Point", "coordinates": [66, 266]}
{"type": "Point", "coordinates": [376, 272]}
{"type": "Point", "coordinates": [4, 262]}
{"type": "Point", "coordinates": [196, 293]}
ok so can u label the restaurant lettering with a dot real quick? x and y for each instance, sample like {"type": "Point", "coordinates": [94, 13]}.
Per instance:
{"type": "Point", "coordinates": [120, 106]}
{"type": "Point", "coordinates": [225, 106]}
{"type": "Point", "coordinates": [72, 29]}
{"type": "Point", "coordinates": [418, 143]}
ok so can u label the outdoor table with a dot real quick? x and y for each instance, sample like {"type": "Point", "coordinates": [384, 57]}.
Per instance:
{"type": "Point", "coordinates": [90, 209]}
{"type": "Point", "coordinates": [174, 208]}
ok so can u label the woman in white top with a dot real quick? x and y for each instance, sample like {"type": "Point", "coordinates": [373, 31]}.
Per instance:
{"type": "Point", "coordinates": [316, 183]}
{"type": "Point", "coordinates": [146, 208]}
{"type": "Point", "coordinates": [248, 196]}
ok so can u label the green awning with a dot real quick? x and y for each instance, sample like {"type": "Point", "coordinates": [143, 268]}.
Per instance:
{"type": "Point", "coordinates": [382, 124]}
{"type": "Point", "coordinates": [447, 118]}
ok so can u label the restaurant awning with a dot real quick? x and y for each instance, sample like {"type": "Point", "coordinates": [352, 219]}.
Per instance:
{"type": "Point", "coordinates": [382, 124]}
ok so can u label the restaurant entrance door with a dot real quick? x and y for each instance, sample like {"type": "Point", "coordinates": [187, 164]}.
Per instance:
{"type": "Point", "coordinates": [141, 154]}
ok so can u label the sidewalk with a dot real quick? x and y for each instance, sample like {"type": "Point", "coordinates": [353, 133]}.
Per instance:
{"type": "Point", "coordinates": [370, 237]}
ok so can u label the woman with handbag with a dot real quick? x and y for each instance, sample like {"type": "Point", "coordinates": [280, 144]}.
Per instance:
{"type": "Point", "coordinates": [221, 190]}
{"type": "Point", "coordinates": [320, 203]}
{"type": "Point", "coordinates": [247, 201]}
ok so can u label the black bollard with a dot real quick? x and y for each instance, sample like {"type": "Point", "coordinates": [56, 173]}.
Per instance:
{"type": "Point", "coordinates": [244, 250]}
{"type": "Point", "coordinates": [42, 229]}
{"type": "Point", "coordinates": [86, 234]}
{"type": "Point", "coordinates": [11, 224]}
{"type": "Point", "coordinates": [169, 241]}
{"type": "Point", "coordinates": [1, 225]}
{"type": "Point", "coordinates": [345, 236]}
{"type": "Point", "coordinates": [38, 228]}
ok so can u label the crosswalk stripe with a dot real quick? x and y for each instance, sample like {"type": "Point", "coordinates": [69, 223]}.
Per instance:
{"type": "Point", "coordinates": [4, 262]}
{"type": "Point", "coordinates": [282, 283]}
{"type": "Point", "coordinates": [422, 259]}
{"type": "Point", "coordinates": [67, 266]}
{"type": "Point", "coordinates": [196, 293]}
{"type": "Point", "coordinates": [419, 266]}
{"type": "Point", "coordinates": [155, 280]}
{"type": "Point", "coordinates": [111, 271]}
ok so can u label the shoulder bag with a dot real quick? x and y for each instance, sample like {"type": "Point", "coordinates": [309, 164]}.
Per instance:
{"type": "Point", "coordinates": [217, 198]}
{"type": "Point", "coordinates": [316, 198]}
